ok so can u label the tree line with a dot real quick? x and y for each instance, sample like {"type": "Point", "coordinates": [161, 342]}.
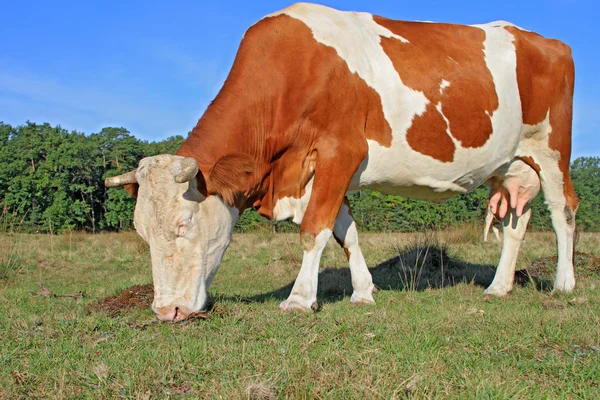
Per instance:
{"type": "Point", "coordinates": [52, 180]}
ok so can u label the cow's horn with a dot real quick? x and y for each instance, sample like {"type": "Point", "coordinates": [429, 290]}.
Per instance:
{"type": "Point", "coordinates": [120, 180]}
{"type": "Point", "coordinates": [188, 168]}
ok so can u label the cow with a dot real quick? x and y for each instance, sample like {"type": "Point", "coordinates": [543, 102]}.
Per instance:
{"type": "Point", "coordinates": [320, 103]}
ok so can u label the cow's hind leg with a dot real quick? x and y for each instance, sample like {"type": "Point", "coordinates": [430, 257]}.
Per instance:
{"type": "Point", "coordinates": [561, 199]}
{"type": "Point", "coordinates": [562, 203]}
{"type": "Point", "coordinates": [510, 196]}
{"type": "Point", "coordinates": [346, 234]}
{"type": "Point", "coordinates": [563, 221]}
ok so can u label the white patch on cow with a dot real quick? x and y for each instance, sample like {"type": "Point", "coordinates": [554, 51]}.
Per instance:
{"type": "Point", "coordinates": [438, 107]}
{"type": "Point", "coordinates": [291, 207]}
{"type": "Point", "coordinates": [444, 85]}
{"type": "Point", "coordinates": [304, 292]}
{"type": "Point", "coordinates": [502, 24]}
{"type": "Point", "coordinates": [348, 21]}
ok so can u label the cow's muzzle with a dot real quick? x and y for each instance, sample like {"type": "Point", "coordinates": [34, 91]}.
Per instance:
{"type": "Point", "coordinates": [171, 313]}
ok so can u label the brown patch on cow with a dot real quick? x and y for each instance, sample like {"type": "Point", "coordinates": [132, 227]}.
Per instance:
{"type": "Point", "coordinates": [347, 253]}
{"type": "Point", "coordinates": [288, 177]}
{"type": "Point", "coordinates": [377, 127]}
{"type": "Point", "coordinates": [529, 161]}
{"type": "Point", "coordinates": [132, 189]}
{"type": "Point", "coordinates": [546, 77]}
{"type": "Point", "coordinates": [447, 52]}
{"type": "Point", "coordinates": [232, 177]}
{"type": "Point", "coordinates": [428, 136]}
{"type": "Point", "coordinates": [307, 241]}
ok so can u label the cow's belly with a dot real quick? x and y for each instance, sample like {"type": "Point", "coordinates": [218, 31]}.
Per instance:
{"type": "Point", "coordinates": [401, 171]}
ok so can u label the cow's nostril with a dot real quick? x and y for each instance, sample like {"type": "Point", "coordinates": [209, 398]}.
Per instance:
{"type": "Point", "coordinates": [166, 313]}
{"type": "Point", "coordinates": [181, 313]}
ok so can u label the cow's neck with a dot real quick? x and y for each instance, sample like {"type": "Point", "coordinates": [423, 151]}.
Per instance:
{"type": "Point", "coordinates": [257, 114]}
{"type": "Point", "coordinates": [232, 125]}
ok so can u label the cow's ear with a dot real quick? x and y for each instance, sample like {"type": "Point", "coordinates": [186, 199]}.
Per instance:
{"type": "Point", "coordinates": [232, 176]}
{"type": "Point", "coordinates": [132, 189]}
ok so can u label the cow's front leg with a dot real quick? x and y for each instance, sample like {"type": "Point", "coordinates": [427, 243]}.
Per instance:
{"type": "Point", "coordinates": [304, 292]}
{"type": "Point", "coordinates": [334, 169]}
{"type": "Point", "coordinates": [346, 234]}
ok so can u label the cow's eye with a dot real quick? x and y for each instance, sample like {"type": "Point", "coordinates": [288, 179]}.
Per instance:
{"type": "Point", "coordinates": [183, 226]}
{"type": "Point", "coordinates": [186, 222]}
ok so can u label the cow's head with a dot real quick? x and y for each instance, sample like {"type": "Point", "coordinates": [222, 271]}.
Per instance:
{"type": "Point", "coordinates": [187, 231]}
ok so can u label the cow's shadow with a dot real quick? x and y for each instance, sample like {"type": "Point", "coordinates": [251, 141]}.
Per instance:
{"type": "Point", "coordinates": [416, 269]}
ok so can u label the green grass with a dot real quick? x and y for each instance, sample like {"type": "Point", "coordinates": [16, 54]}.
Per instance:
{"type": "Point", "coordinates": [430, 335]}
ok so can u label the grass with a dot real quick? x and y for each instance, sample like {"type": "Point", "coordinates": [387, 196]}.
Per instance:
{"type": "Point", "coordinates": [430, 335]}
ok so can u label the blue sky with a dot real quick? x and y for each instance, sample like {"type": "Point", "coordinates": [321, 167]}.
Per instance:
{"type": "Point", "coordinates": [153, 66]}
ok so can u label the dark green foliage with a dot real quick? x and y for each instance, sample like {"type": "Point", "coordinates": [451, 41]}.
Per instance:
{"type": "Point", "coordinates": [585, 172]}
{"type": "Point", "coordinates": [376, 212]}
{"type": "Point", "coordinates": [52, 180]}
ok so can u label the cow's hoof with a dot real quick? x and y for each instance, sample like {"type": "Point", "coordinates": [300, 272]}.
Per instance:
{"type": "Point", "coordinates": [298, 304]}
{"type": "Point", "coordinates": [362, 298]}
{"type": "Point", "coordinates": [495, 292]}
{"type": "Point", "coordinates": [564, 286]}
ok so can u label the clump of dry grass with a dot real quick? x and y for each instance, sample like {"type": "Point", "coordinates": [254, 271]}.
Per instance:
{"type": "Point", "coordinates": [11, 259]}
{"type": "Point", "coordinates": [260, 391]}
{"type": "Point", "coordinates": [425, 262]}
{"type": "Point", "coordinates": [464, 233]}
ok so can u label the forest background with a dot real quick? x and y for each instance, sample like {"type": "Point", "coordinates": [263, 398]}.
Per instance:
{"type": "Point", "coordinates": [52, 181]}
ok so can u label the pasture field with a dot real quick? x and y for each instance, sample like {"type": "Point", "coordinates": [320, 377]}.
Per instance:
{"type": "Point", "coordinates": [430, 335]}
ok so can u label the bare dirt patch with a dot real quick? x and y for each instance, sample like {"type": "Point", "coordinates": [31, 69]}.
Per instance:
{"type": "Point", "coordinates": [583, 262]}
{"type": "Point", "coordinates": [138, 296]}
{"type": "Point", "coordinates": [141, 296]}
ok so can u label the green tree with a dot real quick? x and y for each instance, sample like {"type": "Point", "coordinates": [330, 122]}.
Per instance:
{"type": "Point", "coordinates": [585, 173]}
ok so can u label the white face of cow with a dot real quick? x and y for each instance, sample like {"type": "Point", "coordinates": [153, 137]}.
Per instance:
{"type": "Point", "coordinates": [187, 232]}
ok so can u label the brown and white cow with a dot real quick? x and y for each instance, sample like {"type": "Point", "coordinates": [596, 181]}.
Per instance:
{"type": "Point", "coordinates": [320, 103]}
